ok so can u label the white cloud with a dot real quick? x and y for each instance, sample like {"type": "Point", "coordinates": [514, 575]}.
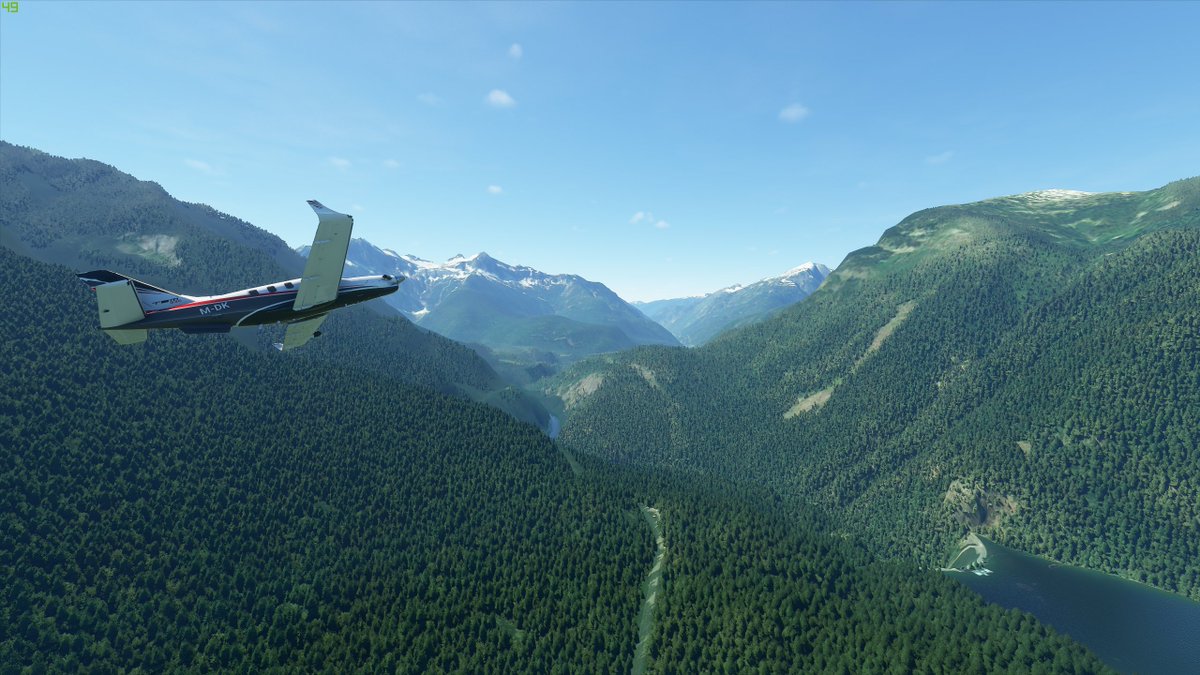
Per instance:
{"type": "Point", "coordinates": [357, 207]}
{"type": "Point", "coordinates": [429, 99]}
{"type": "Point", "coordinates": [495, 190]}
{"type": "Point", "coordinates": [198, 165]}
{"type": "Point", "coordinates": [940, 158]}
{"type": "Point", "coordinates": [649, 219]}
{"type": "Point", "coordinates": [516, 51]}
{"type": "Point", "coordinates": [793, 113]}
{"type": "Point", "coordinates": [498, 98]}
{"type": "Point", "coordinates": [340, 163]}
{"type": "Point", "coordinates": [391, 164]}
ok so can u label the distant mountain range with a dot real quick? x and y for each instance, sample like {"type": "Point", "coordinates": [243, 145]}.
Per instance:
{"type": "Point", "coordinates": [528, 323]}
{"type": "Point", "coordinates": [698, 319]}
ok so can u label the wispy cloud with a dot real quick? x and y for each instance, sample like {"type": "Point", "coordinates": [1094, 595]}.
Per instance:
{"type": "Point", "coordinates": [495, 190]}
{"type": "Point", "coordinates": [340, 163]}
{"type": "Point", "coordinates": [649, 219]}
{"type": "Point", "coordinates": [498, 98]}
{"type": "Point", "coordinates": [940, 158]}
{"type": "Point", "coordinates": [196, 164]}
{"type": "Point", "coordinates": [391, 164]}
{"type": "Point", "coordinates": [516, 51]}
{"type": "Point", "coordinates": [793, 113]}
{"type": "Point", "coordinates": [429, 99]}
{"type": "Point", "coordinates": [357, 207]}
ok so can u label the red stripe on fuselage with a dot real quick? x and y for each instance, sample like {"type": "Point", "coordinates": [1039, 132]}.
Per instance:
{"type": "Point", "coordinates": [211, 301]}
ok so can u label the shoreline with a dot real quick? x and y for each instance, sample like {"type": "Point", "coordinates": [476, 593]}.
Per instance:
{"type": "Point", "coordinates": [971, 542]}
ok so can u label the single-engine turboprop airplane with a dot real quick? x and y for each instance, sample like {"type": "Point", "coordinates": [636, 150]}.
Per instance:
{"type": "Point", "coordinates": [129, 307]}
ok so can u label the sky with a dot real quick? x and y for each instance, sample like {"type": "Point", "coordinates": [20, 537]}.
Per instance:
{"type": "Point", "coordinates": [663, 149]}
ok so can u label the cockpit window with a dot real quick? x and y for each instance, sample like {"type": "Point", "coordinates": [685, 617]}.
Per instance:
{"type": "Point", "coordinates": [387, 277]}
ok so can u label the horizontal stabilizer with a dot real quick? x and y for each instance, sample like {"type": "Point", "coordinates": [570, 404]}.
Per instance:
{"type": "Point", "coordinates": [300, 332]}
{"type": "Point", "coordinates": [128, 336]}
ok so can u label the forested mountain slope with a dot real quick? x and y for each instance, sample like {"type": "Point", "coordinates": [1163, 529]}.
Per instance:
{"type": "Point", "coordinates": [1027, 367]}
{"type": "Point", "coordinates": [184, 505]}
{"type": "Point", "coordinates": [88, 215]}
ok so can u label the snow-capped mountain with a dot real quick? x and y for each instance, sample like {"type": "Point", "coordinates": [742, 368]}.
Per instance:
{"type": "Point", "coordinates": [523, 317]}
{"type": "Point", "coordinates": [698, 319]}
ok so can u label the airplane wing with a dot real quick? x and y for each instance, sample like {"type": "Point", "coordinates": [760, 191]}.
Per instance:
{"type": "Point", "coordinates": [326, 258]}
{"type": "Point", "coordinates": [300, 332]}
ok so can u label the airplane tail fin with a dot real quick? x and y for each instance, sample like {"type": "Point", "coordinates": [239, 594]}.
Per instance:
{"type": "Point", "coordinates": [150, 297]}
{"type": "Point", "coordinates": [119, 305]}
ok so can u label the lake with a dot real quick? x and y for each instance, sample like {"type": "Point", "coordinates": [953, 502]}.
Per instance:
{"type": "Point", "coordinates": [1130, 626]}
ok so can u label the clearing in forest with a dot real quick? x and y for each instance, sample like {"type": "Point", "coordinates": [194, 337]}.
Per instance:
{"type": "Point", "coordinates": [651, 588]}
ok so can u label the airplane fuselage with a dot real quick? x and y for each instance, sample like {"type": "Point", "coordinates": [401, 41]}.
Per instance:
{"type": "Point", "coordinates": [267, 304]}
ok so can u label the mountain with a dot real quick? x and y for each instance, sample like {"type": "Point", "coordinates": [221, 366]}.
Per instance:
{"type": "Point", "coordinates": [1024, 367]}
{"type": "Point", "coordinates": [528, 323]}
{"type": "Point", "coordinates": [187, 506]}
{"type": "Point", "coordinates": [87, 215]}
{"type": "Point", "coordinates": [697, 320]}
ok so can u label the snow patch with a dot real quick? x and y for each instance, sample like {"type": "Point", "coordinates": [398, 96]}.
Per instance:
{"type": "Point", "coordinates": [1054, 195]}
{"type": "Point", "coordinates": [801, 269]}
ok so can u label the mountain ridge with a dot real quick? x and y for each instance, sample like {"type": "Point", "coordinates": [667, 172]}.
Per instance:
{"type": "Point", "coordinates": [697, 319]}
{"type": "Point", "coordinates": [1014, 350]}
{"type": "Point", "coordinates": [527, 322]}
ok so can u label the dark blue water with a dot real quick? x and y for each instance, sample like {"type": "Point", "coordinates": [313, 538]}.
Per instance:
{"type": "Point", "coordinates": [1130, 626]}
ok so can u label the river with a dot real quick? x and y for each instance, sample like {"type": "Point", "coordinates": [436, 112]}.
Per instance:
{"type": "Point", "coordinates": [1132, 627]}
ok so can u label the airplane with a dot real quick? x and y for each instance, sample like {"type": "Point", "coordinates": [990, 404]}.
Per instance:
{"type": "Point", "coordinates": [129, 307]}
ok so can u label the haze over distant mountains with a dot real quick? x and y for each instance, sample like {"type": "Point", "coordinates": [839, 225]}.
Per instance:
{"type": "Point", "coordinates": [528, 322]}
{"type": "Point", "coordinates": [698, 319]}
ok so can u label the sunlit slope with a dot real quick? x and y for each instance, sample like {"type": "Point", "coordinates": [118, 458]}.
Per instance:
{"type": "Point", "coordinates": [1024, 366]}
{"type": "Point", "coordinates": [88, 215]}
{"type": "Point", "coordinates": [182, 506]}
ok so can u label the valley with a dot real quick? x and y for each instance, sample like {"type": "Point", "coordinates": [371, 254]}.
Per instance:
{"type": "Point", "coordinates": [769, 453]}
{"type": "Point", "coordinates": [603, 338]}
{"type": "Point", "coordinates": [1032, 350]}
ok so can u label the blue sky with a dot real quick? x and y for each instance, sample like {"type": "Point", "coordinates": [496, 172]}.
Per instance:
{"type": "Point", "coordinates": [663, 149]}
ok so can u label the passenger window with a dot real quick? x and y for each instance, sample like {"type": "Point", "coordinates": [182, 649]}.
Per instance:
{"type": "Point", "coordinates": [253, 292]}
{"type": "Point", "coordinates": [288, 284]}
{"type": "Point", "coordinates": [270, 289]}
